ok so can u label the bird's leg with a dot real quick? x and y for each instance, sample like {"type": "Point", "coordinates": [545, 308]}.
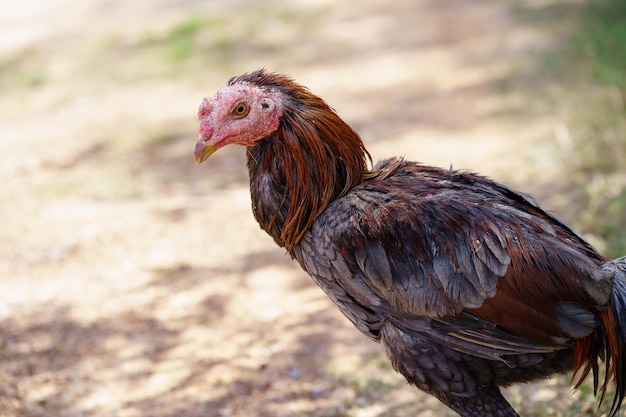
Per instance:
{"type": "Point", "coordinates": [488, 402]}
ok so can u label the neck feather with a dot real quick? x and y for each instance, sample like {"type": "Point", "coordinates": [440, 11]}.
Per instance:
{"type": "Point", "coordinates": [313, 158]}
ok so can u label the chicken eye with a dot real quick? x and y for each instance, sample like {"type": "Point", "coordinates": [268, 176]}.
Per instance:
{"type": "Point", "coordinates": [240, 110]}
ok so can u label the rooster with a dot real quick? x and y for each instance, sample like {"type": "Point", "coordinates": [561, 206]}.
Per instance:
{"type": "Point", "coordinates": [467, 285]}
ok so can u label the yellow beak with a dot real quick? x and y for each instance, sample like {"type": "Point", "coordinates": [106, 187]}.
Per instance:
{"type": "Point", "coordinates": [203, 150]}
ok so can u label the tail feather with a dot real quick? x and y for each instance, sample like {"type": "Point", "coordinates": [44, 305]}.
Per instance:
{"type": "Point", "coordinates": [607, 344]}
{"type": "Point", "coordinates": [617, 338]}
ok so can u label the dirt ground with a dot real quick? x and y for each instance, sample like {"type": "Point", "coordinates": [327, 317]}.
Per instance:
{"type": "Point", "coordinates": [134, 283]}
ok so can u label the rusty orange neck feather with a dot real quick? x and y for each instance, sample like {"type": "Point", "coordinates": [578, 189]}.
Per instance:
{"type": "Point", "coordinates": [313, 158]}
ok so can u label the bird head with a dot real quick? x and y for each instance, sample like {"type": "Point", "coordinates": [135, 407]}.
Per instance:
{"type": "Point", "coordinates": [240, 113]}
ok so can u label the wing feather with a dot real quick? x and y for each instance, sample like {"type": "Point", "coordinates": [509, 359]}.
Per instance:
{"type": "Point", "coordinates": [467, 262]}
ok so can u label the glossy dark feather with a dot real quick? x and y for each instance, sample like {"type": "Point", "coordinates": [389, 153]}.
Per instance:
{"type": "Point", "coordinates": [423, 242]}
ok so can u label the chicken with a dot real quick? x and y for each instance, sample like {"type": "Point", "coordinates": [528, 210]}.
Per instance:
{"type": "Point", "coordinates": [466, 284]}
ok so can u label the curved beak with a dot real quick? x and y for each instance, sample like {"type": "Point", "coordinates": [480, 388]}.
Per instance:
{"type": "Point", "coordinates": [203, 150]}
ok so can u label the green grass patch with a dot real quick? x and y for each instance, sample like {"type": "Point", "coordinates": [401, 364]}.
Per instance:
{"type": "Point", "coordinates": [200, 40]}
{"type": "Point", "coordinates": [602, 43]}
{"type": "Point", "coordinates": [22, 70]}
{"type": "Point", "coordinates": [591, 72]}
{"type": "Point", "coordinates": [182, 38]}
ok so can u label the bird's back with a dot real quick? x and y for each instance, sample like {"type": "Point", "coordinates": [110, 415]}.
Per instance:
{"type": "Point", "coordinates": [431, 242]}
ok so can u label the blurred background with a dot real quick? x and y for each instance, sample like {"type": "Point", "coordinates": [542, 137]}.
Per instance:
{"type": "Point", "coordinates": [134, 283]}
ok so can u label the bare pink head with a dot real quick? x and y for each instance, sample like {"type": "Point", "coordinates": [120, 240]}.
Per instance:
{"type": "Point", "coordinates": [238, 114]}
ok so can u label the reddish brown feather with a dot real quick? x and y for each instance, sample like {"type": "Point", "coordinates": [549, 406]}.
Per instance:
{"type": "Point", "coordinates": [581, 359]}
{"type": "Point", "coordinates": [525, 299]}
{"type": "Point", "coordinates": [584, 347]}
{"type": "Point", "coordinates": [610, 325]}
{"type": "Point", "coordinates": [322, 157]}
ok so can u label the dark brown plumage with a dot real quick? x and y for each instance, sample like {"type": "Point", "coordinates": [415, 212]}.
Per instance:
{"type": "Point", "coordinates": [467, 285]}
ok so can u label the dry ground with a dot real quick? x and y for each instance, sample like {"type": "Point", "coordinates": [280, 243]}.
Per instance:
{"type": "Point", "coordinates": [133, 283]}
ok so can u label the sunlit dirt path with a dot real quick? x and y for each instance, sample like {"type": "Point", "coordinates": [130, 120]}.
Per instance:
{"type": "Point", "coordinates": [133, 283]}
